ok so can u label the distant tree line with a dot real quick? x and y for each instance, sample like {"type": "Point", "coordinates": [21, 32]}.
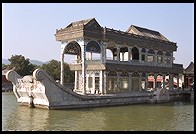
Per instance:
{"type": "Point", "coordinates": [23, 67]}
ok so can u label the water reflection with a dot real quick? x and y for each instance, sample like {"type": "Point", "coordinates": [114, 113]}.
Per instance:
{"type": "Point", "coordinates": [80, 119]}
{"type": "Point", "coordinates": [148, 117]}
{"type": "Point", "coordinates": [139, 117]}
{"type": "Point", "coordinates": [184, 119]}
{"type": "Point", "coordinates": [33, 119]}
{"type": "Point", "coordinates": [24, 118]}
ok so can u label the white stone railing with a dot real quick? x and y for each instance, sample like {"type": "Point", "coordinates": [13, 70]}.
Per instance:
{"type": "Point", "coordinates": [136, 62]}
{"type": "Point", "coordinates": [131, 62]}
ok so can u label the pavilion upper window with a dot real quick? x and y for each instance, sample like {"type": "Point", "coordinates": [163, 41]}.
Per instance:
{"type": "Point", "coordinates": [167, 60]}
{"type": "Point", "coordinates": [72, 48]}
{"type": "Point", "coordinates": [168, 57]}
{"type": "Point", "coordinates": [93, 46]}
{"type": "Point", "coordinates": [167, 54]}
{"type": "Point", "coordinates": [150, 58]}
{"type": "Point", "coordinates": [135, 53]}
{"type": "Point", "coordinates": [160, 57]}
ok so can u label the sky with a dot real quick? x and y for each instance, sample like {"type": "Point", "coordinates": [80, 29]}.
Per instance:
{"type": "Point", "coordinates": [28, 29]}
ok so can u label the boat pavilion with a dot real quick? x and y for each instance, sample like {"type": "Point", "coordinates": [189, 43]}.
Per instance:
{"type": "Point", "coordinates": [113, 61]}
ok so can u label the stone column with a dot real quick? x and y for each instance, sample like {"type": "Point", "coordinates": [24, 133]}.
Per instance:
{"type": "Point", "coordinates": [130, 81]}
{"type": "Point", "coordinates": [129, 54]}
{"type": "Point", "coordinates": [123, 53]}
{"type": "Point", "coordinates": [104, 82]}
{"type": "Point", "coordinates": [62, 63]}
{"type": "Point", "coordinates": [103, 52]}
{"type": "Point", "coordinates": [118, 53]}
{"type": "Point", "coordinates": [146, 82]}
{"type": "Point", "coordinates": [84, 68]}
{"type": "Point", "coordinates": [101, 82]}
{"type": "Point", "coordinates": [62, 69]}
{"type": "Point", "coordinates": [146, 56]}
{"type": "Point", "coordinates": [189, 82]}
{"type": "Point", "coordinates": [172, 59]}
{"type": "Point", "coordinates": [140, 82]}
{"type": "Point", "coordinates": [113, 57]}
{"type": "Point", "coordinates": [155, 81]}
{"type": "Point", "coordinates": [140, 57]}
{"type": "Point", "coordinates": [91, 55]}
{"type": "Point", "coordinates": [177, 80]}
{"type": "Point", "coordinates": [171, 81]}
{"type": "Point", "coordinates": [82, 44]}
{"type": "Point", "coordinates": [76, 81]}
{"type": "Point", "coordinates": [163, 81]}
{"type": "Point", "coordinates": [163, 59]}
{"type": "Point", "coordinates": [118, 82]}
{"type": "Point", "coordinates": [77, 59]}
{"type": "Point", "coordinates": [155, 59]}
{"type": "Point", "coordinates": [145, 60]}
{"type": "Point", "coordinates": [93, 83]}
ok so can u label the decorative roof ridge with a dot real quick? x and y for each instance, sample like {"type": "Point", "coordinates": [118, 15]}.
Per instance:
{"type": "Point", "coordinates": [190, 66]}
{"type": "Point", "coordinates": [137, 35]}
{"type": "Point", "coordinates": [145, 28]}
{"type": "Point", "coordinates": [83, 22]}
{"type": "Point", "coordinates": [147, 32]}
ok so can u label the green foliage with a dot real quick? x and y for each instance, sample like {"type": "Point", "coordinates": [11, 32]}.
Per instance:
{"type": "Point", "coordinates": [4, 66]}
{"type": "Point", "coordinates": [36, 66]}
{"type": "Point", "coordinates": [21, 65]}
{"type": "Point", "coordinates": [53, 68]}
{"type": "Point", "coordinates": [69, 75]}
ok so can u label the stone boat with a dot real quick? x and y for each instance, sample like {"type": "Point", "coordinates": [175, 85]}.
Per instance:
{"type": "Point", "coordinates": [132, 67]}
{"type": "Point", "coordinates": [42, 91]}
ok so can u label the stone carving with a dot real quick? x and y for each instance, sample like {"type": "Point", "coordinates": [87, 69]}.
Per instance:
{"type": "Point", "coordinates": [38, 74]}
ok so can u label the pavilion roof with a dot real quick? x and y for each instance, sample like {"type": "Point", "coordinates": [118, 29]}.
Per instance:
{"type": "Point", "coordinates": [91, 28]}
{"type": "Point", "coordinates": [146, 32]}
{"type": "Point", "coordinates": [80, 23]}
{"type": "Point", "coordinates": [189, 69]}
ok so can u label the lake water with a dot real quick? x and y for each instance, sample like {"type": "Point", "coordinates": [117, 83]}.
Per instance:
{"type": "Point", "coordinates": [173, 116]}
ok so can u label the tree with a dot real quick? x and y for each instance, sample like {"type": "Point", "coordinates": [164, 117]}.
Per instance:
{"type": "Point", "coordinates": [4, 66]}
{"type": "Point", "coordinates": [53, 68]}
{"type": "Point", "coordinates": [69, 75]}
{"type": "Point", "coordinates": [21, 65]}
{"type": "Point", "coordinates": [36, 66]}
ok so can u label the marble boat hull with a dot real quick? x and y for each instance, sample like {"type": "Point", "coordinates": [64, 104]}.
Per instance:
{"type": "Point", "coordinates": [40, 90]}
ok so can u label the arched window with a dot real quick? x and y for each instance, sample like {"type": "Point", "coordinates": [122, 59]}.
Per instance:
{"type": "Point", "coordinates": [72, 48]}
{"type": "Point", "coordinates": [167, 58]}
{"type": "Point", "coordinates": [150, 57]}
{"type": "Point", "coordinates": [167, 54]}
{"type": "Point", "coordinates": [160, 52]}
{"type": "Point", "coordinates": [150, 51]}
{"type": "Point", "coordinates": [159, 57]}
{"type": "Point", "coordinates": [112, 73]}
{"type": "Point", "coordinates": [93, 46]}
{"type": "Point", "coordinates": [124, 74]}
{"type": "Point", "coordinates": [135, 53]}
{"type": "Point", "coordinates": [135, 74]}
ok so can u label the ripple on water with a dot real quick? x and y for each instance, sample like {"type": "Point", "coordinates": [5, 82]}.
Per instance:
{"type": "Point", "coordinates": [172, 116]}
